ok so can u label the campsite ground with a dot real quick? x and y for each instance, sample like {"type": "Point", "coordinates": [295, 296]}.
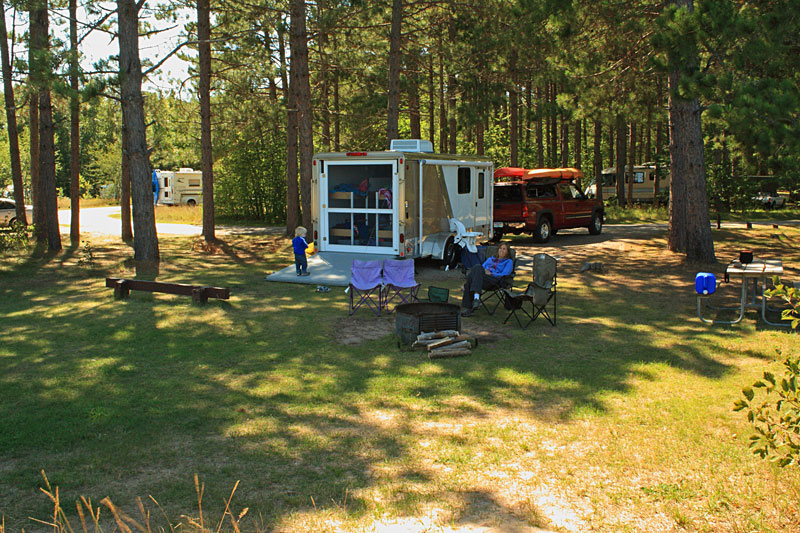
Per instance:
{"type": "Point", "coordinates": [619, 419]}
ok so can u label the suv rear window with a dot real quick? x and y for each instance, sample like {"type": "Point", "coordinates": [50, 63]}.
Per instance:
{"type": "Point", "coordinates": [537, 190]}
{"type": "Point", "coordinates": [507, 193]}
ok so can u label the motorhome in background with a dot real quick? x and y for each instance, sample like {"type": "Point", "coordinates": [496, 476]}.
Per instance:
{"type": "Point", "coordinates": [643, 183]}
{"type": "Point", "coordinates": [184, 186]}
{"type": "Point", "coordinates": [403, 202]}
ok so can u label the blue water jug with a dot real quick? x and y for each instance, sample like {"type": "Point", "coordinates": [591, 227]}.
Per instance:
{"type": "Point", "coordinates": [705, 283]}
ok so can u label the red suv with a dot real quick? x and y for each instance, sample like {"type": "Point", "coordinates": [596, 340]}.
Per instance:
{"type": "Point", "coordinates": [541, 202]}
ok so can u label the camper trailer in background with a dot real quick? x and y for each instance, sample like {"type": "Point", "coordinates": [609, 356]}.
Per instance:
{"type": "Point", "coordinates": [404, 202]}
{"type": "Point", "coordinates": [644, 177]}
{"type": "Point", "coordinates": [184, 186]}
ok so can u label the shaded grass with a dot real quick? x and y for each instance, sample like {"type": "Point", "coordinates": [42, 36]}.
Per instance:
{"type": "Point", "coordinates": [618, 419]}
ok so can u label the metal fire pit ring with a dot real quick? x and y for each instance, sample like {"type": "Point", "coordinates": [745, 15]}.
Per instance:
{"type": "Point", "coordinates": [421, 317]}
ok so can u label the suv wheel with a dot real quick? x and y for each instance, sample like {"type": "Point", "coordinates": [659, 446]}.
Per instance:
{"type": "Point", "coordinates": [543, 231]}
{"type": "Point", "coordinates": [597, 224]}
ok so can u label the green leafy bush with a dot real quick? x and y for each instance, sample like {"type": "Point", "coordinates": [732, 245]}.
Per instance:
{"type": "Point", "coordinates": [15, 238]}
{"type": "Point", "coordinates": [776, 419]}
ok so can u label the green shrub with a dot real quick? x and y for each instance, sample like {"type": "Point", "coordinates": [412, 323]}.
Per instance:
{"type": "Point", "coordinates": [776, 419]}
{"type": "Point", "coordinates": [15, 238]}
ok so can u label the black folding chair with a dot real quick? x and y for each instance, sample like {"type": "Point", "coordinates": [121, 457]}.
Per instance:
{"type": "Point", "coordinates": [539, 293]}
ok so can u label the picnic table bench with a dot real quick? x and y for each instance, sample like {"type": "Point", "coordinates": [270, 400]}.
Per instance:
{"type": "Point", "coordinates": [200, 294]}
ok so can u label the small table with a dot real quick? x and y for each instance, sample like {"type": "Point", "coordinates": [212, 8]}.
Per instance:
{"type": "Point", "coordinates": [760, 270]}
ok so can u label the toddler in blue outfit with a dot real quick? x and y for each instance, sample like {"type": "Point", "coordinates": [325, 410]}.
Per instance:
{"type": "Point", "coordinates": [299, 244]}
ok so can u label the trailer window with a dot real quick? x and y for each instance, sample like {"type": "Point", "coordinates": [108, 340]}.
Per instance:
{"type": "Point", "coordinates": [166, 182]}
{"type": "Point", "coordinates": [464, 180]}
{"type": "Point", "coordinates": [638, 177]}
{"type": "Point", "coordinates": [609, 179]}
{"type": "Point", "coordinates": [481, 184]}
{"type": "Point", "coordinates": [194, 182]}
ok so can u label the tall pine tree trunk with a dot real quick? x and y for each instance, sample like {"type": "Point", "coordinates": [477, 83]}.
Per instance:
{"type": "Point", "coordinates": [39, 224]}
{"type": "Point", "coordinates": [632, 162]}
{"type": "Point", "coordinates": [442, 107]}
{"type": "Point", "coordinates": [145, 238]}
{"type": "Point", "coordinates": [292, 186]}
{"type": "Point", "coordinates": [689, 229]}
{"type": "Point", "coordinates": [125, 188]}
{"type": "Point", "coordinates": [564, 142]}
{"type": "Point", "coordinates": [528, 107]}
{"type": "Point", "coordinates": [431, 102]}
{"type": "Point", "coordinates": [621, 151]}
{"type": "Point", "coordinates": [451, 95]}
{"type": "Point", "coordinates": [659, 144]}
{"type": "Point", "coordinates": [393, 106]}
{"type": "Point", "coordinates": [413, 108]}
{"type": "Point", "coordinates": [513, 109]}
{"type": "Point", "coordinates": [539, 137]}
{"type": "Point", "coordinates": [324, 73]}
{"type": "Point", "coordinates": [302, 89]}
{"type": "Point", "coordinates": [204, 89]}
{"type": "Point", "coordinates": [11, 120]}
{"type": "Point", "coordinates": [598, 160]}
{"type": "Point", "coordinates": [40, 42]}
{"type": "Point", "coordinates": [74, 130]}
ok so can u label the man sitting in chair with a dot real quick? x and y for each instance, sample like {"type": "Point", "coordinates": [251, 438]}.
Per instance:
{"type": "Point", "coordinates": [485, 276]}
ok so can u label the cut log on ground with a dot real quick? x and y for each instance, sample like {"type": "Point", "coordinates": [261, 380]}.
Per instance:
{"type": "Point", "coordinates": [443, 354]}
{"type": "Point", "coordinates": [437, 335]}
{"type": "Point", "coordinates": [447, 341]}
{"type": "Point", "coordinates": [456, 345]}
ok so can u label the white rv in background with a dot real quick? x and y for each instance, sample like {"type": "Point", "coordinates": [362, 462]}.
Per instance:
{"type": "Point", "coordinates": [184, 186]}
{"type": "Point", "coordinates": [404, 202]}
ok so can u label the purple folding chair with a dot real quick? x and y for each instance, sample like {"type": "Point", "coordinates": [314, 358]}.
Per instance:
{"type": "Point", "coordinates": [365, 284]}
{"type": "Point", "coordinates": [398, 281]}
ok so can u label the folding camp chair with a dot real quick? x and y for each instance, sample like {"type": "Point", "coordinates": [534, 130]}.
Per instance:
{"type": "Point", "coordinates": [488, 294]}
{"type": "Point", "coordinates": [436, 295]}
{"type": "Point", "coordinates": [398, 281]}
{"type": "Point", "coordinates": [365, 285]}
{"type": "Point", "coordinates": [540, 292]}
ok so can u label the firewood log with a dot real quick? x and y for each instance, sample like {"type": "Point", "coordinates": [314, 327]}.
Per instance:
{"type": "Point", "coordinates": [456, 345]}
{"type": "Point", "coordinates": [446, 341]}
{"type": "Point", "coordinates": [442, 354]}
{"type": "Point", "coordinates": [437, 335]}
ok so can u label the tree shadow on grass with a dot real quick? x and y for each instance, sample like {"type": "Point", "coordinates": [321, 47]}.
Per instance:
{"type": "Point", "coordinates": [127, 398]}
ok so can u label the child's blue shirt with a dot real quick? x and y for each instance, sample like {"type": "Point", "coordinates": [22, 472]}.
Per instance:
{"type": "Point", "coordinates": [299, 244]}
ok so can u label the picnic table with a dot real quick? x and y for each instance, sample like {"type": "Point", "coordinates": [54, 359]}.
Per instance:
{"type": "Point", "coordinates": [754, 278]}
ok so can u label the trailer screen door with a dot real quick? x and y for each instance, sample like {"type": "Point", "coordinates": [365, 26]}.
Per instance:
{"type": "Point", "coordinates": [358, 208]}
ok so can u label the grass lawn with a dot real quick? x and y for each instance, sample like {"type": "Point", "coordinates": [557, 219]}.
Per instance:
{"type": "Point", "coordinates": [639, 214]}
{"type": "Point", "coordinates": [618, 419]}
{"type": "Point", "coordinates": [184, 214]}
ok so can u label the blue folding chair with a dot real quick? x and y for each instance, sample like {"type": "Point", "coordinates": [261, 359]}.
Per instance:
{"type": "Point", "coordinates": [398, 281]}
{"type": "Point", "coordinates": [365, 286]}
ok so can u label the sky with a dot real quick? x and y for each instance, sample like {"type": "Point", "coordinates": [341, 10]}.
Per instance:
{"type": "Point", "coordinates": [99, 45]}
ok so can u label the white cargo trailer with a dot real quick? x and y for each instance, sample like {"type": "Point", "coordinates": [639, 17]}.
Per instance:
{"type": "Point", "coordinates": [184, 186]}
{"type": "Point", "coordinates": [404, 202]}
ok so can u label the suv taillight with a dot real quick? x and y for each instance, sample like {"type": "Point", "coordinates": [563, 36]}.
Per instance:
{"type": "Point", "coordinates": [525, 211]}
